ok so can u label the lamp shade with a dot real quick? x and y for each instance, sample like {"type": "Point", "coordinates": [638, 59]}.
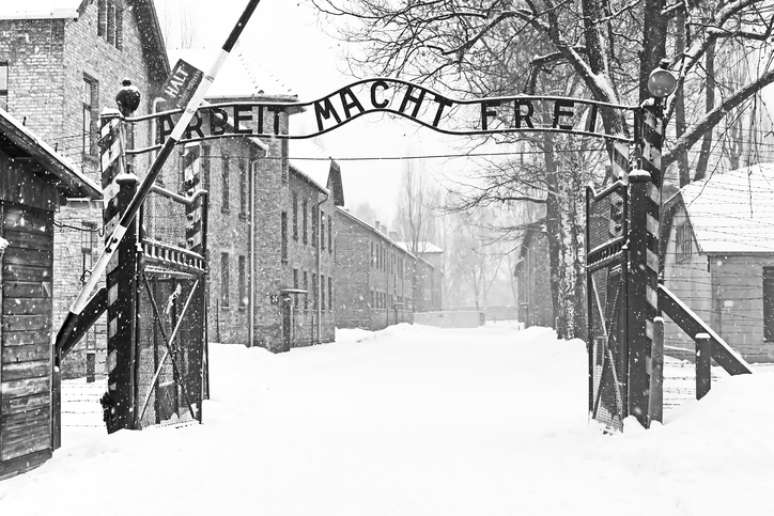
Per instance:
{"type": "Point", "coordinates": [661, 83]}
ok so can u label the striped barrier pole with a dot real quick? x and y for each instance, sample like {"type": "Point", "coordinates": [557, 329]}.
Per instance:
{"type": "Point", "coordinates": [645, 263]}
{"type": "Point", "coordinates": [119, 230]}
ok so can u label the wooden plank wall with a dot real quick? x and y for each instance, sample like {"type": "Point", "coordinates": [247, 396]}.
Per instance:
{"type": "Point", "coordinates": [26, 221]}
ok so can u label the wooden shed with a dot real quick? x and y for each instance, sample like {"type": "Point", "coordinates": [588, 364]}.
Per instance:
{"type": "Point", "coordinates": [33, 182]}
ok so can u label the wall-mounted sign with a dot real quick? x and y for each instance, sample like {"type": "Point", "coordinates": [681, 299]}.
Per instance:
{"type": "Point", "coordinates": [518, 113]}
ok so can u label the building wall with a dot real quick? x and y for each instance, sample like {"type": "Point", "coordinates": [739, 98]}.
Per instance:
{"type": "Point", "coordinates": [353, 265]}
{"type": "Point", "coordinates": [48, 60]}
{"type": "Point", "coordinates": [374, 277]}
{"type": "Point", "coordinates": [737, 291]}
{"type": "Point", "coordinates": [691, 281]}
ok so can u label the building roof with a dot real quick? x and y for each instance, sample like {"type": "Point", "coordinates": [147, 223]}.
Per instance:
{"type": "Point", "coordinates": [72, 182]}
{"type": "Point", "coordinates": [732, 212]}
{"type": "Point", "coordinates": [424, 247]}
{"type": "Point", "coordinates": [41, 9]}
{"type": "Point", "coordinates": [153, 45]}
{"type": "Point", "coordinates": [346, 214]}
{"type": "Point", "coordinates": [239, 77]}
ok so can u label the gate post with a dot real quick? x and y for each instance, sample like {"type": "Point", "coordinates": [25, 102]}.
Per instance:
{"type": "Point", "coordinates": [196, 241]}
{"type": "Point", "coordinates": [645, 260]}
{"type": "Point", "coordinates": [119, 188]}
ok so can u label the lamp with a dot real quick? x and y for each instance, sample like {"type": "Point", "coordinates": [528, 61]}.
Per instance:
{"type": "Point", "coordinates": [128, 98]}
{"type": "Point", "coordinates": [662, 82]}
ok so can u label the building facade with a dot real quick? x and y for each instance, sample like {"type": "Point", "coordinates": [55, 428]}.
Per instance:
{"type": "Point", "coordinates": [719, 260]}
{"type": "Point", "coordinates": [60, 65]}
{"type": "Point", "coordinates": [374, 276]}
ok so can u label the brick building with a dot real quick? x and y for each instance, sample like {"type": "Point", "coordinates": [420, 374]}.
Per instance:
{"type": "Point", "coordinates": [719, 259]}
{"type": "Point", "coordinates": [374, 276]}
{"type": "Point", "coordinates": [428, 286]}
{"type": "Point", "coordinates": [61, 63]}
{"type": "Point", "coordinates": [278, 277]}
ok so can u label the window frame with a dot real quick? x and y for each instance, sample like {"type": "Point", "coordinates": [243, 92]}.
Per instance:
{"type": "Point", "coordinates": [92, 108]}
{"type": "Point", "coordinates": [225, 180]}
{"type": "Point", "coordinates": [284, 236]}
{"type": "Point", "coordinates": [225, 280]}
{"type": "Point", "coordinates": [242, 281]}
{"type": "Point", "coordinates": [768, 303]}
{"type": "Point", "coordinates": [4, 65]}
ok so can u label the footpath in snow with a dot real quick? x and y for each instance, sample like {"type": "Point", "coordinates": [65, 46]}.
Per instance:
{"type": "Point", "coordinates": [414, 421]}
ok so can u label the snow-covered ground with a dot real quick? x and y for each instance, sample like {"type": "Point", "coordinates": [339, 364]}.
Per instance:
{"type": "Point", "coordinates": [413, 421]}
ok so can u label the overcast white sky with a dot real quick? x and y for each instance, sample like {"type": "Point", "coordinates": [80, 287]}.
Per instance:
{"type": "Point", "coordinates": [287, 38]}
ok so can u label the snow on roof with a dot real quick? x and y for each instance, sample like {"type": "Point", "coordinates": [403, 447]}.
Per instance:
{"type": "Point", "coordinates": [239, 77]}
{"type": "Point", "coordinates": [423, 247]}
{"type": "Point", "coordinates": [73, 180]}
{"type": "Point", "coordinates": [374, 229]}
{"type": "Point", "coordinates": [315, 169]}
{"type": "Point", "coordinates": [37, 9]}
{"type": "Point", "coordinates": [733, 212]}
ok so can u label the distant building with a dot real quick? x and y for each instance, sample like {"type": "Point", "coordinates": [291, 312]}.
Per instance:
{"type": "Point", "coordinates": [719, 259]}
{"type": "Point", "coordinates": [428, 287]}
{"type": "Point", "coordinates": [61, 63]}
{"type": "Point", "coordinates": [533, 274]}
{"type": "Point", "coordinates": [374, 276]}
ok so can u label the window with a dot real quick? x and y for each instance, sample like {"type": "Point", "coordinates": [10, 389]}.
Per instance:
{"type": "Point", "coordinates": [306, 287]}
{"type": "Point", "coordinates": [284, 236]}
{"type": "Point", "coordinates": [90, 115]}
{"type": "Point", "coordinates": [683, 243]}
{"type": "Point", "coordinates": [330, 237]}
{"type": "Point", "coordinates": [110, 22]}
{"type": "Point", "coordinates": [314, 291]}
{"type": "Point", "coordinates": [322, 231]}
{"type": "Point", "coordinates": [242, 189]}
{"type": "Point", "coordinates": [284, 164]}
{"type": "Point", "coordinates": [224, 194]}
{"type": "Point", "coordinates": [330, 293]}
{"type": "Point", "coordinates": [295, 216]}
{"type": "Point", "coordinates": [224, 280]}
{"type": "Point", "coordinates": [242, 282]}
{"type": "Point", "coordinates": [295, 286]}
{"type": "Point", "coordinates": [768, 304]}
{"type": "Point", "coordinates": [4, 85]}
{"type": "Point", "coordinates": [305, 216]}
{"type": "Point", "coordinates": [373, 256]}
{"type": "Point", "coordinates": [205, 163]}
{"type": "Point", "coordinates": [322, 292]}
{"type": "Point", "coordinates": [315, 222]}
{"type": "Point", "coordinates": [101, 18]}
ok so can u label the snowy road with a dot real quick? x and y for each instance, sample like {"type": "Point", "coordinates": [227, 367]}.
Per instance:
{"type": "Point", "coordinates": [415, 421]}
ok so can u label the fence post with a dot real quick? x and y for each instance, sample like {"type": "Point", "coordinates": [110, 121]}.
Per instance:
{"type": "Point", "coordinates": [121, 282]}
{"type": "Point", "coordinates": [656, 409]}
{"type": "Point", "coordinates": [645, 261]}
{"type": "Point", "coordinates": [703, 364]}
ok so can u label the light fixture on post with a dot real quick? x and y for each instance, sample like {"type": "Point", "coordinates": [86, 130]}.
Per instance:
{"type": "Point", "coordinates": [661, 81]}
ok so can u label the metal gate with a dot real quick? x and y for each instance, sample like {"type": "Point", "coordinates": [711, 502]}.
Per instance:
{"type": "Point", "coordinates": [156, 294]}
{"type": "Point", "coordinates": [607, 280]}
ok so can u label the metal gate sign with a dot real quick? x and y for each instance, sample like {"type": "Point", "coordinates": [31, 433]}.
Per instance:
{"type": "Point", "coordinates": [495, 115]}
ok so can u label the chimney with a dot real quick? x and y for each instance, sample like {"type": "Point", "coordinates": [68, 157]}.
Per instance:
{"type": "Point", "coordinates": [394, 236]}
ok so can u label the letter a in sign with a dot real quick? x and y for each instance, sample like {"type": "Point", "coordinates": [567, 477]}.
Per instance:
{"type": "Point", "coordinates": [181, 85]}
